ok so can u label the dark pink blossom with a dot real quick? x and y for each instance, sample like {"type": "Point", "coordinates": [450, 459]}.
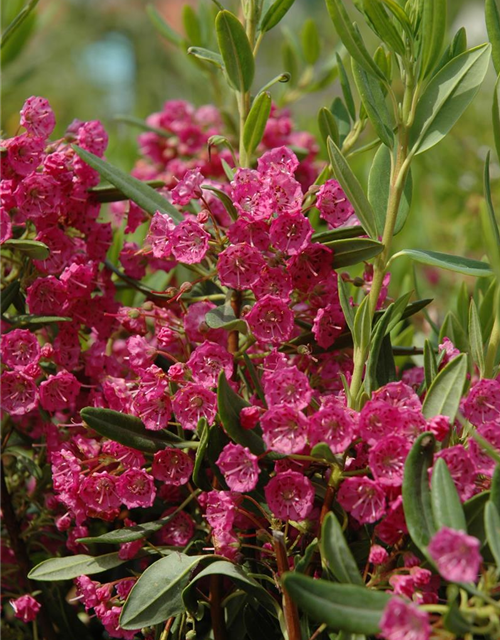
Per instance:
{"type": "Point", "coordinates": [37, 117]}
{"type": "Point", "coordinates": [26, 608]}
{"type": "Point", "coordinates": [290, 496]}
{"type": "Point", "coordinates": [239, 467]}
{"type": "Point", "coordinates": [172, 466]}
{"type": "Point", "coordinates": [363, 498]}
{"type": "Point", "coordinates": [456, 555]}
{"type": "Point", "coordinates": [271, 320]}
{"type": "Point", "coordinates": [403, 620]}
{"type": "Point", "coordinates": [284, 429]}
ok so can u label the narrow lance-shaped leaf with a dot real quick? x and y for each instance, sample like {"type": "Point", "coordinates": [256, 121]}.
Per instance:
{"type": "Point", "coordinates": [383, 26]}
{"type": "Point", "coordinates": [235, 50]}
{"type": "Point", "coordinates": [491, 233]}
{"type": "Point", "coordinates": [446, 506]}
{"type": "Point", "coordinates": [443, 397]}
{"type": "Point", "coordinates": [495, 116]}
{"type": "Point", "coordinates": [416, 494]}
{"type": "Point", "coordinates": [447, 96]}
{"type": "Point", "coordinates": [346, 305]}
{"type": "Point", "coordinates": [346, 88]}
{"type": "Point", "coordinates": [376, 343]}
{"type": "Point", "coordinates": [145, 197]}
{"type": "Point", "coordinates": [430, 364]}
{"type": "Point", "coordinates": [163, 28]}
{"type": "Point", "coordinates": [256, 122]}
{"type": "Point", "coordinates": [492, 528]}
{"type": "Point", "coordinates": [74, 566]}
{"type": "Point", "coordinates": [374, 103]}
{"type": "Point", "coordinates": [432, 31]}
{"type": "Point", "coordinates": [492, 15]}
{"type": "Point", "coordinates": [342, 607]}
{"type": "Point", "coordinates": [328, 125]}
{"type": "Point", "coordinates": [476, 337]}
{"type": "Point", "coordinates": [349, 251]}
{"type": "Point", "coordinates": [311, 46]}
{"type": "Point", "coordinates": [336, 553]}
{"type": "Point", "coordinates": [466, 266]}
{"type": "Point", "coordinates": [275, 14]}
{"type": "Point", "coordinates": [352, 189]}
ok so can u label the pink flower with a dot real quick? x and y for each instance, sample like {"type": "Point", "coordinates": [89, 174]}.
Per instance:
{"type": "Point", "coordinates": [136, 488]}
{"type": "Point", "coordinates": [462, 469]}
{"type": "Point", "coordinates": [271, 320]}
{"type": "Point", "coordinates": [378, 555]}
{"type": "Point", "coordinates": [134, 263]}
{"type": "Point", "coordinates": [483, 402]}
{"type": "Point", "coordinates": [37, 117]}
{"type": "Point", "coordinates": [456, 555]}
{"type": "Point", "coordinates": [284, 429]}
{"type": "Point", "coordinates": [221, 509]}
{"type": "Point", "coordinates": [290, 496]}
{"type": "Point", "coordinates": [98, 491]}
{"type": "Point", "coordinates": [111, 621]}
{"type": "Point", "coordinates": [287, 386]}
{"type": "Point", "coordinates": [310, 266]}
{"type": "Point", "coordinates": [226, 544]}
{"type": "Point", "coordinates": [24, 153]}
{"type": "Point", "coordinates": [278, 159]}
{"type": "Point", "coordinates": [328, 325]}
{"type": "Point", "coordinates": [250, 416]}
{"type": "Point", "coordinates": [333, 425]}
{"type": "Point", "coordinates": [189, 188]}
{"type": "Point", "coordinates": [251, 196]}
{"type": "Point", "coordinates": [59, 391]}
{"type": "Point", "coordinates": [290, 233]}
{"type": "Point", "coordinates": [179, 529]}
{"type": "Point", "coordinates": [172, 466]}
{"type": "Point", "coordinates": [239, 266]}
{"type": "Point", "coordinates": [207, 361]}
{"type": "Point", "coordinates": [387, 459]}
{"type": "Point", "coordinates": [239, 466]}
{"type": "Point", "coordinates": [482, 461]}
{"type": "Point", "coordinates": [189, 242]}
{"type": "Point", "coordinates": [197, 329]}
{"type": "Point", "coordinates": [26, 608]}
{"type": "Point", "coordinates": [38, 197]}
{"type": "Point", "coordinates": [160, 234]}
{"type": "Point", "coordinates": [193, 402]}
{"type": "Point", "coordinates": [46, 296]}
{"type": "Point", "coordinates": [254, 233]}
{"type": "Point", "coordinates": [273, 281]}
{"type": "Point", "coordinates": [154, 411]}
{"type": "Point", "coordinates": [403, 620]}
{"type": "Point", "coordinates": [20, 348]}
{"type": "Point", "coordinates": [333, 205]}
{"type": "Point", "coordinates": [363, 498]}
{"type": "Point", "coordinates": [378, 419]}
{"type": "Point", "coordinates": [93, 137]}
{"type": "Point", "coordinates": [286, 193]}
{"type": "Point", "coordinates": [19, 393]}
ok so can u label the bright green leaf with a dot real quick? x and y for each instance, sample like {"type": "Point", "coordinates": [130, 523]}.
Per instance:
{"type": "Point", "coordinates": [443, 396]}
{"type": "Point", "coordinates": [476, 337]}
{"type": "Point", "coordinates": [256, 122]}
{"type": "Point", "coordinates": [275, 14]}
{"type": "Point", "coordinates": [466, 266]}
{"type": "Point", "coordinates": [336, 554]}
{"type": "Point", "coordinates": [374, 103]}
{"type": "Point", "coordinates": [446, 506]}
{"type": "Point", "coordinates": [351, 251]}
{"type": "Point", "coordinates": [235, 50]}
{"type": "Point", "coordinates": [432, 32]}
{"type": "Point", "coordinates": [311, 46]}
{"type": "Point", "coordinates": [34, 249]}
{"type": "Point", "coordinates": [492, 15]}
{"type": "Point", "coordinates": [74, 566]}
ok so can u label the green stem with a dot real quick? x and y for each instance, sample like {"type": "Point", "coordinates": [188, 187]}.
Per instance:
{"type": "Point", "coordinates": [493, 345]}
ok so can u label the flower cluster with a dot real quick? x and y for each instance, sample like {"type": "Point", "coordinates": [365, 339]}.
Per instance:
{"type": "Point", "coordinates": [259, 312]}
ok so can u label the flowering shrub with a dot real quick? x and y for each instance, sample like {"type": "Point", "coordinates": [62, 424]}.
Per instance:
{"type": "Point", "coordinates": [205, 431]}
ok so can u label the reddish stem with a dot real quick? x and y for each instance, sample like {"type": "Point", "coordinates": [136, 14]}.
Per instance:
{"type": "Point", "coordinates": [289, 609]}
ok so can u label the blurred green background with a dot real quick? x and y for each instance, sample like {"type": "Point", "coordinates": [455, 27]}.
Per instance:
{"type": "Point", "coordinates": [94, 59]}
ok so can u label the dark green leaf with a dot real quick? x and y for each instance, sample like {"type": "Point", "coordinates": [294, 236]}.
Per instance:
{"type": "Point", "coordinates": [343, 121]}
{"type": "Point", "coordinates": [474, 515]}
{"type": "Point", "coordinates": [157, 595]}
{"type": "Point", "coordinates": [346, 305]}
{"type": "Point", "coordinates": [275, 14]}
{"type": "Point", "coordinates": [206, 55]}
{"type": "Point", "coordinates": [350, 37]}
{"type": "Point", "coordinates": [378, 191]}
{"type": "Point", "coordinates": [383, 26]}
{"type": "Point", "coordinates": [490, 226]}
{"type": "Point", "coordinates": [447, 96]}
{"type": "Point", "coordinates": [34, 249]}
{"type": "Point", "coordinates": [145, 197]}
{"type": "Point", "coordinates": [386, 366]}
{"type": "Point", "coordinates": [445, 392]}
{"type": "Point", "coordinates": [163, 28]}
{"type": "Point", "coordinates": [129, 430]}
{"type": "Point", "coordinates": [346, 88]}
{"type": "Point", "coordinates": [432, 32]}
{"type": "Point", "coordinates": [495, 116]}
{"type": "Point", "coordinates": [353, 251]}
{"type": "Point", "coordinates": [328, 125]}
{"type": "Point", "coordinates": [336, 554]}
{"type": "Point", "coordinates": [225, 199]}
{"type": "Point", "coordinates": [303, 562]}
{"type": "Point", "coordinates": [416, 494]}
{"type": "Point", "coordinates": [9, 294]}
{"type": "Point", "coordinates": [399, 13]}
{"type": "Point", "coordinates": [235, 50]}
{"type": "Point", "coordinates": [495, 488]}
{"type": "Point", "coordinates": [256, 122]}
{"type": "Point", "coordinates": [475, 337]}
{"type": "Point", "coordinates": [346, 607]}
{"type": "Point", "coordinates": [362, 325]}
{"type": "Point", "coordinates": [31, 321]}
{"type": "Point", "coordinates": [338, 234]}
{"type": "Point", "coordinates": [381, 328]}
{"type": "Point", "coordinates": [374, 103]}
{"type": "Point", "coordinates": [457, 46]}
{"type": "Point", "coordinates": [430, 364]}
{"type": "Point", "coordinates": [199, 476]}
{"type": "Point", "coordinates": [446, 506]}
{"type": "Point", "coordinates": [74, 566]}
{"type": "Point", "coordinates": [223, 317]}
{"type": "Point", "coordinates": [452, 329]}
{"type": "Point", "coordinates": [466, 266]}
{"type": "Point", "coordinates": [352, 189]}
{"type": "Point", "coordinates": [311, 46]}
{"type": "Point", "coordinates": [493, 27]}
{"type": "Point", "coordinates": [108, 193]}
{"type": "Point", "coordinates": [230, 405]}
{"type": "Point", "coordinates": [492, 528]}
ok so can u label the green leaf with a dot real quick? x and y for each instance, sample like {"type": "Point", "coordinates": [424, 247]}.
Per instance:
{"type": "Point", "coordinates": [230, 405]}
{"type": "Point", "coordinates": [328, 125]}
{"type": "Point", "coordinates": [491, 233]}
{"type": "Point", "coordinates": [453, 619]}
{"type": "Point", "coordinates": [311, 46]}
{"type": "Point", "coordinates": [457, 46]}
{"type": "Point", "coordinates": [351, 251]}
{"type": "Point", "coordinates": [74, 566]}
{"type": "Point", "coordinates": [492, 528]}
{"type": "Point", "coordinates": [495, 488]}
{"type": "Point", "coordinates": [445, 392]}
{"type": "Point", "coordinates": [338, 234]}
{"type": "Point", "coordinates": [235, 50]}
{"type": "Point", "coordinates": [145, 197]}
{"type": "Point", "coordinates": [346, 305]}
{"type": "Point", "coordinates": [275, 14]}
{"type": "Point", "coordinates": [362, 326]}
{"type": "Point", "coordinates": [163, 28]}
{"type": "Point", "coordinates": [9, 294]}
{"type": "Point", "coordinates": [352, 189]}
{"type": "Point", "coordinates": [224, 198]}
{"type": "Point", "coordinates": [304, 561]}
{"type": "Point", "coordinates": [416, 494]}
{"type": "Point", "coordinates": [11, 29]}
{"type": "Point", "coordinates": [466, 266]}
{"type": "Point", "coordinates": [343, 121]}
{"type": "Point", "coordinates": [474, 515]}
{"type": "Point", "coordinates": [336, 554]}
{"type": "Point", "coordinates": [379, 182]}
{"type": "Point", "coordinates": [34, 249]}
{"type": "Point", "coordinates": [192, 25]}
{"type": "Point", "coordinates": [382, 25]}
{"type": "Point", "coordinates": [223, 317]}
{"type": "Point", "coordinates": [374, 103]}
{"type": "Point", "coordinates": [256, 121]}
{"type": "Point", "coordinates": [129, 430]}
{"type": "Point", "coordinates": [346, 87]}
{"type": "Point", "coordinates": [234, 573]}
{"type": "Point", "coordinates": [446, 506]}
{"type": "Point", "coordinates": [378, 335]}
{"type": "Point", "coordinates": [493, 27]}
{"type": "Point", "coordinates": [399, 13]}
{"type": "Point", "coordinates": [31, 321]}
{"type": "Point", "coordinates": [345, 607]}
{"type": "Point", "coordinates": [475, 337]}
{"type": "Point", "coordinates": [495, 116]}
{"type": "Point", "coordinates": [207, 56]}
{"type": "Point", "coordinates": [157, 595]}
{"type": "Point", "coordinates": [447, 96]}
{"type": "Point", "coordinates": [351, 38]}
{"type": "Point", "coordinates": [432, 32]}
{"type": "Point", "coordinates": [199, 476]}
{"type": "Point", "coordinates": [452, 329]}
{"type": "Point", "coordinates": [430, 364]}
